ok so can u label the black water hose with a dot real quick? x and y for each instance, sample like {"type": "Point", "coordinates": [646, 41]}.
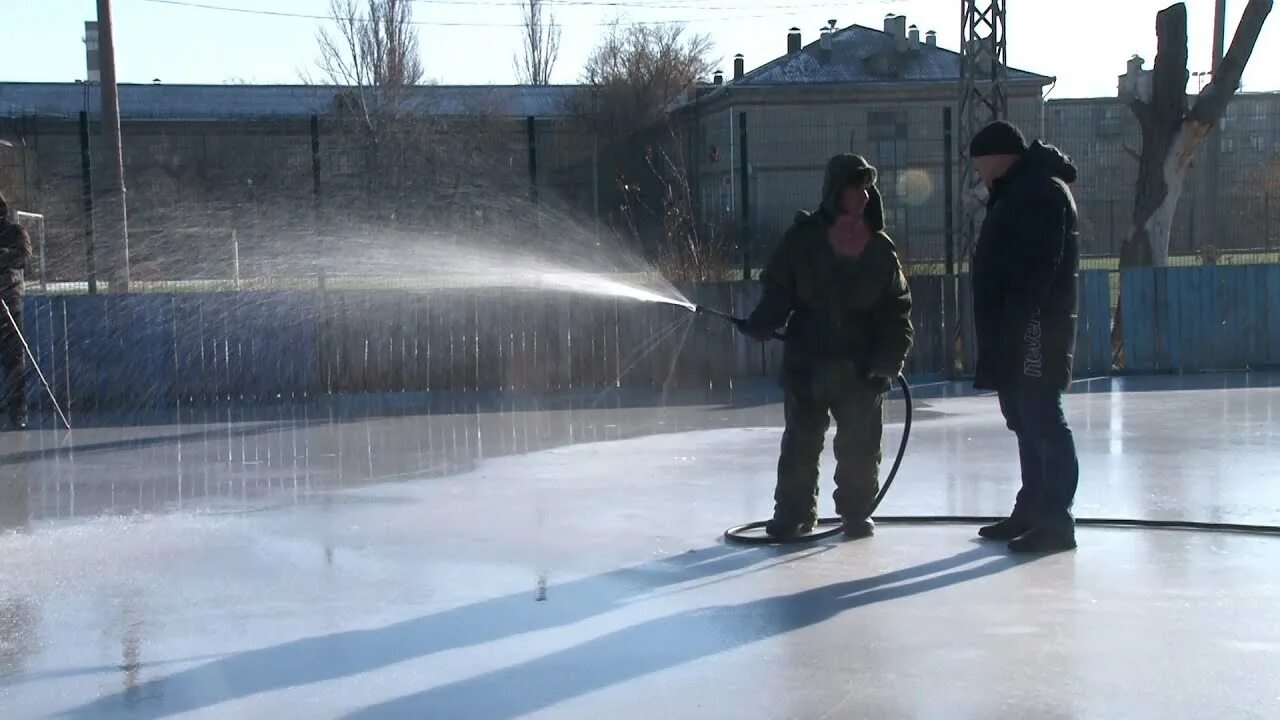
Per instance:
{"type": "Point", "coordinates": [741, 533]}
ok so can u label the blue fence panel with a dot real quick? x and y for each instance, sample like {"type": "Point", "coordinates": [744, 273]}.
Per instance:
{"type": "Point", "coordinates": [1093, 323]}
{"type": "Point", "coordinates": [1254, 350]}
{"type": "Point", "coordinates": [1270, 327]}
{"type": "Point", "coordinates": [1201, 318]}
{"type": "Point", "coordinates": [1141, 321]}
{"type": "Point", "coordinates": [188, 352]}
{"type": "Point", "coordinates": [141, 351]}
{"type": "Point", "coordinates": [152, 382]}
{"type": "Point", "coordinates": [37, 330]}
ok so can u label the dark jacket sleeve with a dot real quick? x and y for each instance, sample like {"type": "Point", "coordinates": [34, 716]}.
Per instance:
{"type": "Point", "coordinates": [779, 281]}
{"type": "Point", "coordinates": [15, 247]}
{"type": "Point", "coordinates": [892, 317]}
{"type": "Point", "coordinates": [1036, 248]}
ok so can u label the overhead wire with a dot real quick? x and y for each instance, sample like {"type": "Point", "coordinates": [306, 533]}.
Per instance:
{"type": "Point", "coordinates": [637, 5]}
{"type": "Point", "coordinates": [781, 10]}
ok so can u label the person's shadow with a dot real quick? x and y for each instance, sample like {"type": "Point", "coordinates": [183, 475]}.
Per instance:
{"type": "Point", "coordinates": [342, 654]}
{"type": "Point", "coordinates": [674, 640]}
{"type": "Point", "coordinates": [608, 660]}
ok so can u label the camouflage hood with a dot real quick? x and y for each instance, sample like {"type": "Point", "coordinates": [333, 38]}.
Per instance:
{"type": "Point", "coordinates": [845, 170]}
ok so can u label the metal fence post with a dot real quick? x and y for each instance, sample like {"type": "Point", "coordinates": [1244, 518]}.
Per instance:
{"type": "Point", "coordinates": [744, 170]}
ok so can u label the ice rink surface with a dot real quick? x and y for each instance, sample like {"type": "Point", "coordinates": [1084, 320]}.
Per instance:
{"type": "Point", "coordinates": [493, 563]}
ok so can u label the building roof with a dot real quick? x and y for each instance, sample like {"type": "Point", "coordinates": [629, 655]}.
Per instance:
{"type": "Point", "coordinates": [1257, 95]}
{"type": "Point", "coordinates": [853, 60]}
{"type": "Point", "coordinates": [224, 102]}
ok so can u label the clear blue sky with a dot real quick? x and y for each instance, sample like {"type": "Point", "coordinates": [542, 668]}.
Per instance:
{"type": "Point", "coordinates": [1083, 43]}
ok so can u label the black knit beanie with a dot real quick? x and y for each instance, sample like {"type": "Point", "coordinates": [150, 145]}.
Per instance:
{"type": "Point", "coordinates": [998, 138]}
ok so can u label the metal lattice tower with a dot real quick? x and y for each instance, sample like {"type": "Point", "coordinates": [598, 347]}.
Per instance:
{"type": "Point", "coordinates": [983, 97]}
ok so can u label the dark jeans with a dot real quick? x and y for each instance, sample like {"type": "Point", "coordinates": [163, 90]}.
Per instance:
{"type": "Point", "coordinates": [856, 407]}
{"type": "Point", "coordinates": [1047, 453]}
{"type": "Point", "coordinates": [13, 361]}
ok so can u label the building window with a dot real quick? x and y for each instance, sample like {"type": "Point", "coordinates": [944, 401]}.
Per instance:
{"type": "Point", "coordinates": [1110, 125]}
{"type": "Point", "coordinates": [886, 125]}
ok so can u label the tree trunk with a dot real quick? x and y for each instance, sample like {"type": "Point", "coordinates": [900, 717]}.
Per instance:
{"type": "Point", "coordinates": [1172, 135]}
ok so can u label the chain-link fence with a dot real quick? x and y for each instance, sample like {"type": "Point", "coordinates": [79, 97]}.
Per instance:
{"type": "Point", "coordinates": [759, 164]}
{"type": "Point", "coordinates": [242, 199]}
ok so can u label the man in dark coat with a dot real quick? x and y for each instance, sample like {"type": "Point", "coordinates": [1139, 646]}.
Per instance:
{"type": "Point", "coordinates": [1024, 306]}
{"type": "Point", "coordinates": [836, 283]}
{"type": "Point", "coordinates": [15, 251]}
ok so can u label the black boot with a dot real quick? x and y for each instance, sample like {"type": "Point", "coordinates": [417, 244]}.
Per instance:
{"type": "Point", "coordinates": [855, 529]}
{"type": "Point", "coordinates": [1006, 529]}
{"type": "Point", "coordinates": [786, 529]}
{"type": "Point", "coordinates": [1041, 540]}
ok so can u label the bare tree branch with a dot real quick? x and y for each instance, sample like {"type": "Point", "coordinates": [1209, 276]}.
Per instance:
{"type": "Point", "coordinates": [632, 76]}
{"type": "Point", "coordinates": [1213, 99]}
{"type": "Point", "coordinates": [541, 49]}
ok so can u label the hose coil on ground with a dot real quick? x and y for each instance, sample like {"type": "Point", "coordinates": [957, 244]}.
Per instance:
{"type": "Point", "coordinates": [741, 533]}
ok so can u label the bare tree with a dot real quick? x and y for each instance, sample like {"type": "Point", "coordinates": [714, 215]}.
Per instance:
{"type": "Point", "coordinates": [631, 78]}
{"type": "Point", "coordinates": [376, 47]}
{"type": "Point", "coordinates": [688, 252]}
{"type": "Point", "coordinates": [541, 45]}
{"type": "Point", "coordinates": [374, 53]}
{"type": "Point", "coordinates": [637, 70]}
{"type": "Point", "coordinates": [1172, 133]}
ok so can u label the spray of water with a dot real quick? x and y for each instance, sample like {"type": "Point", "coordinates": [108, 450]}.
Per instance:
{"type": "Point", "coordinates": [497, 242]}
{"type": "Point", "coordinates": [509, 246]}
{"type": "Point", "coordinates": [585, 284]}
{"type": "Point", "coordinates": [551, 253]}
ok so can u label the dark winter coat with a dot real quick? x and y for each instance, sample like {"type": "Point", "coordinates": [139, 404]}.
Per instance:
{"type": "Point", "coordinates": [1024, 274]}
{"type": "Point", "coordinates": [844, 316]}
{"type": "Point", "coordinates": [15, 251]}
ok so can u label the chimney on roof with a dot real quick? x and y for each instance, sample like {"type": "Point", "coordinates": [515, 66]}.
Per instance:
{"type": "Point", "coordinates": [739, 66]}
{"type": "Point", "coordinates": [827, 32]}
{"type": "Point", "coordinates": [931, 39]}
{"type": "Point", "coordinates": [900, 32]}
{"type": "Point", "coordinates": [1136, 81]}
{"type": "Point", "coordinates": [888, 23]}
{"type": "Point", "coordinates": [913, 36]}
{"type": "Point", "coordinates": [793, 40]}
{"type": "Point", "coordinates": [91, 51]}
{"type": "Point", "coordinates": [718, 78]}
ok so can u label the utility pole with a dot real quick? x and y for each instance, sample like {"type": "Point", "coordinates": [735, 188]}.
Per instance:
{"type": "Point", "coordinates": [1213, 153]}
{"type": "Point", "coordinates": [984, 98]}
{"type": "Point", "coordinates": [114, 228]}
